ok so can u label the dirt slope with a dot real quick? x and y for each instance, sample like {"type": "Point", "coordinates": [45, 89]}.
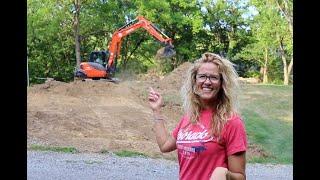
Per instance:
{"type": "Point", "coordinates": [94, 116]}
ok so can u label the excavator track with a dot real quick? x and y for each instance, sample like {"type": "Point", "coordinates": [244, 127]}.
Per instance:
{"type": "Point", "coordinates": [113, 80]}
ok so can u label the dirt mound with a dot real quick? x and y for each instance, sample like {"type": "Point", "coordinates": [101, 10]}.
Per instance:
{"type": "Point", "coordinates": [95, 116]}
{"type": "Point", "coordinates": [91, 116]}
{"type": "Point", "coordinates": [174, 80]}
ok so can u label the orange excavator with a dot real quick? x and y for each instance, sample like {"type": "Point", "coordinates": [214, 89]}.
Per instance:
{"type": "Point", "coordinates": [102, 64]}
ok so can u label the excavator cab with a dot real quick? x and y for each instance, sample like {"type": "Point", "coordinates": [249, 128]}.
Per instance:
{"type": "Point", "coordinates": [95, 67]}
{"type": "Point", "coordinates": [99, 57]}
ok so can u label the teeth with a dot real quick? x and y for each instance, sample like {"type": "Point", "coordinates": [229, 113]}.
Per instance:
{"type": "Point", "coordinates": [207, 89]}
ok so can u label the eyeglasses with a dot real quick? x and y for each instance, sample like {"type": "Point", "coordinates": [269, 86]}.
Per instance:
{"type": "Point", "coordinates": [203, 78]}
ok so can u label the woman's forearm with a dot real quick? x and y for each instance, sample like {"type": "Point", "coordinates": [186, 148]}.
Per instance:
{"type": "Point", "coordinates": [160, 129]}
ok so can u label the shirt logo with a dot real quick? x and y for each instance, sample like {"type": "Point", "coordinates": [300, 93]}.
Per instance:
{"type": "Point", "coordinates": [191, 140]}
{"type": "Point", "coordinates": [185, 136]}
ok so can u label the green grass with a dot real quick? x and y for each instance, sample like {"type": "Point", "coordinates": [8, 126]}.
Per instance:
{"type": "Point", "coordinates": [267, 112]}
{"type": "Point", "coordinates": [126, 153]}
{"type": "Point", "coordinates": [53, 148]}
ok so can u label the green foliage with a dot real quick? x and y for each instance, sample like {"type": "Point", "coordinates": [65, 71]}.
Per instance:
{"type": "Point", "coordinates": [269, 28]}
{"type": "Point", "coordinates": [246, 68]}
{"type": "Point", "coordinates": [225, 26]}
{"type": "Point", "coordinates": [195, 27]}
{"type": "Point", "coordinates": [252, 73]}
{"type": "Point", "coordinates": [49, 40]}
{"type": "Point", "coordinates": [276, 75]}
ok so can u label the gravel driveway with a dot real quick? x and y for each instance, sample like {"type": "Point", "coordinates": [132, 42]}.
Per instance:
{"type": "Point", "coordinates": [59, 166]}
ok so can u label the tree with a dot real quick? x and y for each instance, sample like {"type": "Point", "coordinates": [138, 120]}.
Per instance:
{"type": "Point", "coordinates": [285, 40]}
{"type": "Point", "coordinates": [226, 28]}
{"type": "Point", "coordinates": [61, 32]}
{"type": "Point", "coordinates": [181, 21]}
{"type": "Point", "coordinates": [76, 27]}
{"type": "Point", "coordinates": [49, 40]}
{"type": "Point", "coordinates": [271, 40]}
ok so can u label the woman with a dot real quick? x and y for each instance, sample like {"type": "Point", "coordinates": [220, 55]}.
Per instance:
{"type": "Point", "coordinates": [210, 138]}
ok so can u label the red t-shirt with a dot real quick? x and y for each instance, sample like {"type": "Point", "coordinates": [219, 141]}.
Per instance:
{"type": "Point", "coordinates": [199, 153]}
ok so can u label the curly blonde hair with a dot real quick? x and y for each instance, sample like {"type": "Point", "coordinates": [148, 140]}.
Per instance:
{"type": "Point", "coordinates": [227, 104]}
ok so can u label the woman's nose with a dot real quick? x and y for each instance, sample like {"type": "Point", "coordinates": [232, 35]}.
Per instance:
{"type": "Point", "coordinates": [207, 81]}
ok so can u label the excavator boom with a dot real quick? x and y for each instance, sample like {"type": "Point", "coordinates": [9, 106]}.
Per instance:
{"type": "Point", "coordinates": [139, 22]}
{"type": "Point", "coordinates": [95, 70]}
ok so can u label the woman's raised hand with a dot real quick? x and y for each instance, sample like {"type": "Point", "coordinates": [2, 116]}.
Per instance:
{"type": "Point", "coordinates": [155, 99]}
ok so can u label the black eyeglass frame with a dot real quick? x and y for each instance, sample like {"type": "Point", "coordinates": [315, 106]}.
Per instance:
{"type": "Point", "coordinates": [204, 77]}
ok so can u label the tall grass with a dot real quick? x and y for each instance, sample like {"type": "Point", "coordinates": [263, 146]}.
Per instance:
{"type": "Point", "coordinates": [267, 112]}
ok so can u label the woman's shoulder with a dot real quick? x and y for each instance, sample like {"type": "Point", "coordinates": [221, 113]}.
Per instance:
{"type": "Point", "coordinates": [235, 120]}
{"type": "Point", "coordinates": [184, 118]}
{"type": "Point", "coordinates": [234, 124]}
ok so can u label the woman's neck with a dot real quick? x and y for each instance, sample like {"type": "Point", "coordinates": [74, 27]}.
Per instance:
{"type": "Point", "coordinates": [209, 105]}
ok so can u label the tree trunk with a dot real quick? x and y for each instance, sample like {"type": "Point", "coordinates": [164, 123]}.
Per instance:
{"type": "Point", "coordinates": [28, 70]}
{"type": "Point", "coordinates": [265, 67]}
{"type": "Point", "coordinates": [283, 6]}
{"type": "Point", "coordinates": [290, 66]}
{"type": "Point", "coordinates": [286, 68]}
{"type": "Point", "coordinates": [76, 28]}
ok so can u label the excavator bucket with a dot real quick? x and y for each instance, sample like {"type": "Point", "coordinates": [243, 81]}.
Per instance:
{"type": "Point", "coordinates": [166, 52]}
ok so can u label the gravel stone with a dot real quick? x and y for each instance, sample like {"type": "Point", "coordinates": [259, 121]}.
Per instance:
{"type": "Point", "coordinates": [93, 166]}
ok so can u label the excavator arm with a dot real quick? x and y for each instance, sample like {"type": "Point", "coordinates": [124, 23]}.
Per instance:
{"type": "Point", "coordinates": [139, 22]}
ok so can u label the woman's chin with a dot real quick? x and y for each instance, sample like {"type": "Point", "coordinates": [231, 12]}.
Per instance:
{"type": "Point", "coordinates": [207, 96]}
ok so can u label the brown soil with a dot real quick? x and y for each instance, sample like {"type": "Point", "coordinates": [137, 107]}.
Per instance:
{"type": "Point", "coordinates": [95, 116]}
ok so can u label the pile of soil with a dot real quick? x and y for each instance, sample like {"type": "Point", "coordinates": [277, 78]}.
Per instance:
{"type": "Point", "coordinates": [175, 79]}
{"type": "Point", "coordinates": [97, 116]}
{"type": "Point", "coordinates": [92, 116]}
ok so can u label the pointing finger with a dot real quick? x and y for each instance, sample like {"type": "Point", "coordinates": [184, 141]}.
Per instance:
{"type": "Point", "coordinates": [151, 89]}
